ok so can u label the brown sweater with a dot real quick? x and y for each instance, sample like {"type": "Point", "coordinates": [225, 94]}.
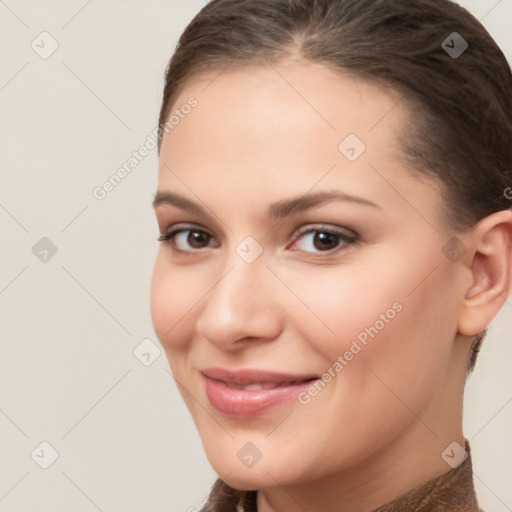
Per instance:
{"type": "Point", "coordinates": [452, 491]}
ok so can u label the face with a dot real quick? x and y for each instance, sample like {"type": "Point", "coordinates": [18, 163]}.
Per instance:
{"type": "Point", "coordinates": [311, 251]}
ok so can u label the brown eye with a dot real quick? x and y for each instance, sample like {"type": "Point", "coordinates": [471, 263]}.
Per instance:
{"type": "Point", "coordinates": [323, 240]}
{"type": "Point", "coordinates": [187, 240]}
{"type": "Point", "coordinates": [197, 239]}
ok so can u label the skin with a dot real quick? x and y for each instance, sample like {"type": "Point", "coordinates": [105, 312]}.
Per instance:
{"type": "Point", "coordinates": [379, 427]}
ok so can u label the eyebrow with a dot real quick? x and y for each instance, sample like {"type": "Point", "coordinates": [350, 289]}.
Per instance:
{"type": "Point", "coordinates": [276, 210]}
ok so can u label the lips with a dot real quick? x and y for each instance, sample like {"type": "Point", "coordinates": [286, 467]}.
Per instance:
{"type": "Point", "coordinates": [251, 393]}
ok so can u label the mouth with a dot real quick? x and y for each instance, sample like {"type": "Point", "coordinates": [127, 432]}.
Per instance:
{"type": "Point", "coordinates": [267, 385]}
{"type": "Point", "coordinates": [246, 394]}
{"type": "Point", "coordinates": [248, 377]}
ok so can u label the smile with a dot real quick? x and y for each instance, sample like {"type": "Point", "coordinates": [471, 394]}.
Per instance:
{"type": "Point", "coordinates": [260, 393]}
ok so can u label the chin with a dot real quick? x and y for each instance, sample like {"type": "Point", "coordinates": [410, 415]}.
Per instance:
{"type": "Point", "coordinates": [248, 481]}
{"type": "Point", "coordinates": [266, 472]}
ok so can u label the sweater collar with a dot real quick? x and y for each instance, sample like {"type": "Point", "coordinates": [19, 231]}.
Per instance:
{"type": "Point", "coordinates": [453, 491]}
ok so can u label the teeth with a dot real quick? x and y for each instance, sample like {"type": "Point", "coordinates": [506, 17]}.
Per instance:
{"type": "Point", "coordinates": [249, 387]}
{"type": "Point", "coordinates": [265, 385]}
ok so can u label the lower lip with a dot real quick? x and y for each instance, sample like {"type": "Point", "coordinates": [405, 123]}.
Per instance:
{"type": "Point", "coordinates": [245, 404]}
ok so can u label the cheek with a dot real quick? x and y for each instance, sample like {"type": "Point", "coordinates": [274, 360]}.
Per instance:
{"type": "Point", "coordinates": [393, 318]}
{"type": "Point", "coordinates": [174, 294]}
{"type": "Point", "coordinates": [345, 304]}
{"type": "Point", "coordinates": [388, 332]}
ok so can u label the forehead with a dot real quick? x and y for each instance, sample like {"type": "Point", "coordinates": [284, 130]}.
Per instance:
{"type": "Point", "coordinates": [295, 96]}
{"type": "Point", "coordinates": [261, 128]}
{"type": "Point", "coordinates": [286, 109]}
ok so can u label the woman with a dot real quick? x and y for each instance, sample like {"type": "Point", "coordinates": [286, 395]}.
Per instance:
{"type": "Point", "coordinates": [334, 208]}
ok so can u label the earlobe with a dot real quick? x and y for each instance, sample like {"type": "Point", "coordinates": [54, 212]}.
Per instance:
{"type": "Point", "coordinates": [491, 268]}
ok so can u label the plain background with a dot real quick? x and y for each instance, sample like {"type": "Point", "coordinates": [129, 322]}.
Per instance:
{"type": "Point", "coordinates": [70, 325]}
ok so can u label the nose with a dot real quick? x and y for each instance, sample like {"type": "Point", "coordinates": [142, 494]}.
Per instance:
{"type": "Point", "coordinates": [242, 304]}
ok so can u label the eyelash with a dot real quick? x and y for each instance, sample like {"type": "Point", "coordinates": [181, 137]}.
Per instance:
{"type": "Point", "coordinates": [349, 240]}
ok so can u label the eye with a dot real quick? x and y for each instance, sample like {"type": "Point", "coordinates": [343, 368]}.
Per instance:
{"type": "Point", "coordinates": [323, 239]}
{"type": "Point", "coordinates": [187, 239]}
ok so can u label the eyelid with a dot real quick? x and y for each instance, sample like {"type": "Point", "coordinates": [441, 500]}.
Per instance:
{"type": "Point", "coordinates": [184, 226]}
{"type": "Point", "coordinates": [326, 227]}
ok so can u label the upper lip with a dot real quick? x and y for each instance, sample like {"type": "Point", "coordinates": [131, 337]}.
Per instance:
{"type": "Point", "coordinates": [247, 377]}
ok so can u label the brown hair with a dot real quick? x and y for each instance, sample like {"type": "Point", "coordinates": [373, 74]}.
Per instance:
{"type": "Point", "coordinates": [461, 132]}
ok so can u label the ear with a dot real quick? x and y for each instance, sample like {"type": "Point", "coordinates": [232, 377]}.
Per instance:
{"type": "Point", "coordinates": [490, 264]}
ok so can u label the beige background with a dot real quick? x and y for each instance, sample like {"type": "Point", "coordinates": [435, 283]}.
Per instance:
{"type": "Point", "coordinates": [70, 325]}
